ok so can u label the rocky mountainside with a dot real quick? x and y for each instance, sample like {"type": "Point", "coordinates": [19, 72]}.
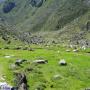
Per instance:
{"type": "Point", "coordinates": [56, 20]}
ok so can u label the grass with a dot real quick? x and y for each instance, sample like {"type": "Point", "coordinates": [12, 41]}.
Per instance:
{"type": "Point", "coordinates": [74, 76]}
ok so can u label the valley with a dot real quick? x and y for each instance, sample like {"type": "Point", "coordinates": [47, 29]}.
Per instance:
{"type": "Point", "coordinates": [44, 44]}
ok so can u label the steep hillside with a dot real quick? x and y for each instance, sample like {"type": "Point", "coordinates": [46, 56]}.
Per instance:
{"type": "Point", "coordinates": [47, 16]}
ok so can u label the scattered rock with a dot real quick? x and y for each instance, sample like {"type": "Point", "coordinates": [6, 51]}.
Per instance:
{"type": "Point", "coordinates": [13, 66]}
{"type": "Point", "coordinates": [75, 50]}
{"type": "Point", "coordinates": [25, 48]}
{"type": "Point", "coordinates": [23, 86]}
{"type": "Point", "coordinates": [30, 49]}
{"type": "Point", "coordinates": [83, 47]}
{"type": "Point", "coordinates": [2, 79]}
{"type": "Point", "coordinates": [36, 3]}
{"type": "Point", "coordinates": [21, 81]}
{"type": "Point", "coordinates": [7, 56]}
{"type": "Point", "coordinates": [87, 88]}
{"type": "Point", "coordinates": [29, 69]}
{"type": "Point", "coordinates": [56, 77]}
{"type": "Point", "coordinates": [40, 61]}
{"type": "Point", "coordinates": [6, 86]}
{"type": "Point", "coordinates": [18, 48]}
{"type": "Point", "coordinates": [62, 62]}
{"type": "Point", "coordinates": [40, 86]}
{"type": "Point", "coordinates": [20, 61]}
{"type": "Point", "coordinates": [67, 50]}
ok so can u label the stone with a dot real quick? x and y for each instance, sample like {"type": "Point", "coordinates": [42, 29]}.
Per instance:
{"type": "Point", "coordinates": [40, 61]}
{"type": "Point", "coordinates": [56, 77]}
{"type": "Point", "coordinates": [20, 61]}
{"type": "Point", "coordinates": [83, 47]}
{"type": "Point", "coordinates": [13, 66]}
{"type": "Point", "coordinates": [67, 50]}
{"type": "Point", "coordinates": [29, 69]}
{"type": "Point", "coordinates": [2, 79]}
{"type": "Point", "coordinates": [36, 3]}
{"type": "Point", "coordinates": [7, 56]}
{"type": "Point", "coordinates": [30, 49]}
{"type": "Point", "coordinates": [23, 86]}
{"type": "Point", "coordinates": [6, 86]}
{"type": "Point", "coordinates": [62, 62]}
{"type": "Point", "coordinates": [21, 81]}
{"type": "Point", "coordinates": [18, 48]}
{"type": "Point", "coordinates": [75, 50]}
{"type": "Point", "coordinates": [25, 48]}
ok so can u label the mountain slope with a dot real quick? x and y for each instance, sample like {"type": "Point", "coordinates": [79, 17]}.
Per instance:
{"type": "Point", "coordinates": [47, 15]}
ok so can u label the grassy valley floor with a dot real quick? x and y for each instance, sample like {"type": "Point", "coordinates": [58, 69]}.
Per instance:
{"type": "Point", "coordinates": [51, 76]}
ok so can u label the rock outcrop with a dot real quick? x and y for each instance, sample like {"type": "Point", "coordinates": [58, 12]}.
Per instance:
{"type": "Point", "coordinates": [21, 81]}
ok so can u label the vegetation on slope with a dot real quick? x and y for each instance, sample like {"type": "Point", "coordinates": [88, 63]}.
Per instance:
{"type": "Point", "coordinates": [64, 20]}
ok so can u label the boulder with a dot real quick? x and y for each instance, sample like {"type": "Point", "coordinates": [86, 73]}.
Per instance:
{"type": "Point", "coordinates": [62, 62]}
{"type": "Point", "coordinates": [18, 48]}
{"type": "Point", "coordinates": [36, 3]}
{"type": "Point", "coordinates": [40, 61]}
{"type": "Point", "coordinates": [83, 47]}
{"type": "Point", "coordinates": [29, 69]}
{"type": "Point", "coordinates": [6, 86]}
{"type": "Point", "coordinates": [12, 66]}
{"type": "Point", "coordinates": [7, 56]}
{"type": "Point", "coordinates": [56, 77]}
{"type": "Point", "coordinates": [21, 81]}
{"type": "Point", "coordinates": [25, 48]}
{"type": "Point", "coordinates": [75, 50]}
{"type": "Point", "coordinates": [23, 86]}
{"type": "Point", "coordinates": [87, 88]}
{"type": "Point", "coordinates": [30, 49]}
{"type": "Point", "coordinates": [2, 79]}
{"type": "Point", "coordinates": [67, 50]}
{"type": "Point", "coordinates": [20, 61]}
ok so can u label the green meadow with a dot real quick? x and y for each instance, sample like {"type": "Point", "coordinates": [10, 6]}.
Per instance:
{"type": "Point", "coordinates": [51, 76]}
